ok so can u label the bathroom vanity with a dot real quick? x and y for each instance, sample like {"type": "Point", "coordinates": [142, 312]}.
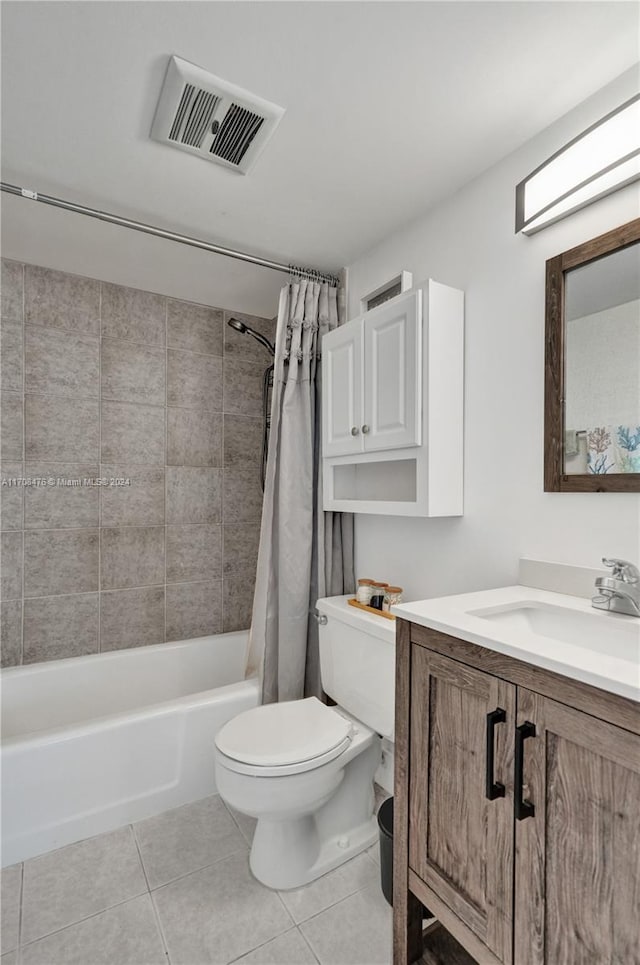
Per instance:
{"type": "Point", "coordinates": [518, 779]}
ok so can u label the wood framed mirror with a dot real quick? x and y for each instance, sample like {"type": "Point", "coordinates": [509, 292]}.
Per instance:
{"type": "Point", "coordinates": [592, 365]}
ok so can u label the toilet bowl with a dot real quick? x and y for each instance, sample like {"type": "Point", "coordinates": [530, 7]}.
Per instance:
{"type": "Point", "coordinates": [305, 771]}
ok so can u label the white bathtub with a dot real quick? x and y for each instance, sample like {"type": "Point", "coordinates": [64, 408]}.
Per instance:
{"type": "Point", "coordinates": [92, 743]}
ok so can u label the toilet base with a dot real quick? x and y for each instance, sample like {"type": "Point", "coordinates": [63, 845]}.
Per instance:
{"type": "Point", "coordinates": [294, 874]}
{"type": "Point", "coordinates": [292, 851]}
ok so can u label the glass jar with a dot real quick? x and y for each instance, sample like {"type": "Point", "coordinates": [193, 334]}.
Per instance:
{"type": "Point", "coordinates": [363, 593]}
{"type": "Point", "coordinates": [377, 594]}
{"type": "Point", "coordinates": [392, 596]}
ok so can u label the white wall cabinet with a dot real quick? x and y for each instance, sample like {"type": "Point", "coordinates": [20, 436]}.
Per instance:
{"type": "Point", "coordinates": [371, 380]}
{"type": "Point", "coordinates": [393, 407]}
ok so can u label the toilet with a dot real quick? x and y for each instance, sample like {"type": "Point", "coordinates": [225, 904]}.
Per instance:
{"type": "Point", "coordinates": [305, 771]}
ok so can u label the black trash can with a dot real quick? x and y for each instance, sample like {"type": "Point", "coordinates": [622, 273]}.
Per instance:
{"type": "Point", "coordinates": [385, 827]}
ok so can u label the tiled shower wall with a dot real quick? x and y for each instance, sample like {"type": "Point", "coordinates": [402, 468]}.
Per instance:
{"type": "Point", "coordinates": [105, 382]}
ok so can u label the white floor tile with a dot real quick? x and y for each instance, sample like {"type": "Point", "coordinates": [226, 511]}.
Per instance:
{"type": "Point", "coordinates": [214, 916]}
{"type": "Point", "coordinates": [313, 898]}
{"type": "Point", "coordinates": [185, 839]}
{"type": "Point", "coordinates": [287, 949]}
{"type": "Point", "coordinates": [125, 935]}
{"type": "Point", "coordinates": [11, 893]}
{"type": "Point", "coordinates": [357, 931]}
{"type": "Point", "coordinates": [70, 884]}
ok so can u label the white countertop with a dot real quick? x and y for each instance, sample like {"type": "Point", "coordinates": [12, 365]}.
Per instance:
{"type": "Point", "coordinates": [608, 657]}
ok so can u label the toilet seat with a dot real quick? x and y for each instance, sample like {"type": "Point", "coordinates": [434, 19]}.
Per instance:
{"type": "Point", "coordinates": [287, 738]}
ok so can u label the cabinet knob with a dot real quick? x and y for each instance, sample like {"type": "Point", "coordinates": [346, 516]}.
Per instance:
{"type": "Point", "coordinates": [365, 429]}
{"type": "Point", "coordinates": [355, 431]}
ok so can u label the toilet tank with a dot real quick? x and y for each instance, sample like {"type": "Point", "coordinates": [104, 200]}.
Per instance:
{"type": "Point", "coordinates": [357, 662]}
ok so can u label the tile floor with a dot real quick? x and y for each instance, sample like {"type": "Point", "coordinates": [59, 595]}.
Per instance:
{"type": "Point", "coordinates": [176, 890]}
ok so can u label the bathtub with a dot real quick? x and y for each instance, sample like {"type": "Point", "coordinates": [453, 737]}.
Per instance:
{"type": "Point", "coordinates": [93, 743]}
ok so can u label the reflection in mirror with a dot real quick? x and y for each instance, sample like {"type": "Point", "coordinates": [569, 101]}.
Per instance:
{"type": "Point", "coordinates": [602, 365]}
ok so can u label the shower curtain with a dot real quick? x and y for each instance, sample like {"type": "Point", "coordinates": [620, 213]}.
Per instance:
{"type": "Point", "coordinates": [304, 552]}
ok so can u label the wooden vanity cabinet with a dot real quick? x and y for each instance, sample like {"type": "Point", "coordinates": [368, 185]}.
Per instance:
{"type": "Point", "coordinates": [517, 814]}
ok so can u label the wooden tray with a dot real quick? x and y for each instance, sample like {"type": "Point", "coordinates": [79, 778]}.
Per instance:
{"type": "Point", "coordinates": [371, 609]}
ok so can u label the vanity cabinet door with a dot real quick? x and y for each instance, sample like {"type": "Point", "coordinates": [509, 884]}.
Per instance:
{"type": "Point", "coordinates": [578, 853]}
{"type": "Point", "coordinates": [461, 802]}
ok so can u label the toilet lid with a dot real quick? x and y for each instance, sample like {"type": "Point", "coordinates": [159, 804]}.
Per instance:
{"type": "Point", "coordinates": [280, 734]}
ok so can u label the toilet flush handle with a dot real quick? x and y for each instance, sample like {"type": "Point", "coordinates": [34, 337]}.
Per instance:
{"type": "Point", "coordinates": [321, 618]}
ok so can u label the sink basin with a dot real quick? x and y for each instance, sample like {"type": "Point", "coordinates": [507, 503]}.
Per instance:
{"type": "Point", "coordinates": [616, 636]}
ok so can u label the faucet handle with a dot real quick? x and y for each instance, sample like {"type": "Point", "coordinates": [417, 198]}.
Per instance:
{"type": "Point", "coordinates": [623, 570]}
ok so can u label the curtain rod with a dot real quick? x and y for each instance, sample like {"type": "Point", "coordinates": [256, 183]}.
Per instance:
{"type": "Point", "coordinates": [168, 235]}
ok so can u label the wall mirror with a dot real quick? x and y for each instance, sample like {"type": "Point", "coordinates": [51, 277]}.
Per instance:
{"type": "Point", "coordinates": [592, 365]}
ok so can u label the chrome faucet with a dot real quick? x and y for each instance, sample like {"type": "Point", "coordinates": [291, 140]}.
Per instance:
{"type": "Point", "coordinates": [620, 592]}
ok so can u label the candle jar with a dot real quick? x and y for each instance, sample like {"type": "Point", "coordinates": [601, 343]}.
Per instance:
{"type": "Point", "coordinates": [392, 596]}
{"type": "Point", "coordinates": [363, 593]}
{"type": "Point", "coordinates": [377, 594]}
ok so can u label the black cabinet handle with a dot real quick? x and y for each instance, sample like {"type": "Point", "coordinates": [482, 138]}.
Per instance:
{"type": "Point", "coordinates": [524, 809]}
{"type": "Point", "coordinates": [493, 788]}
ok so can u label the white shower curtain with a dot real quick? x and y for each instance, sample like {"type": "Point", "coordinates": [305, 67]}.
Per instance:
{"type": "Point", "coordinates": [304, 552]}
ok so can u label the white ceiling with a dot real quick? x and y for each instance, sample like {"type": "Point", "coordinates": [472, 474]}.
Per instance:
{"type": "Point", "coordinates": [390, 106]}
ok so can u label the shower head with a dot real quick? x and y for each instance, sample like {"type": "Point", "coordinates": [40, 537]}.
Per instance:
{"type": "Point", "coordinates": [239, 326]}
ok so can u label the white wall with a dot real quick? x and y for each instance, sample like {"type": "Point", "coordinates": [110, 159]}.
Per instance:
{"type": "Point", "coordinates": [469, 242]}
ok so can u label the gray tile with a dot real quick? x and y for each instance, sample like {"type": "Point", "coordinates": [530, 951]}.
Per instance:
{"type": "Point", "coordinates": [246, 824]}
{"type": "Point", "coordinates": [194, 327]}
{"type": "Point", "coordinates": [193, 609]}
{"type": "Point", "coordinates": [58, 561]}
{"type": "Point", "coordinates": [194, 380]}
{"type": "Point", "coordinates": [65, 430]}
{"type": "Point", "coordinates": [11, 496]}
{"type": "Point", "coordinates": [139, 503]}
{"type": "Point", "coordinates": [186, 839]}
{"type": "Point", "coordinates": [61, 364]}
{"type": "Point", "coordinates": [132, 433]}
{"type": "Point", "coordinates": [238, 602]}
{"type": "Point", "coordinates": [11, 958]}
{"type": "Point", "coordinates": [12, 290]}
{"type": "Point", "coordinates": [11, 633]}
{"type": "Point", "coordinates": [11, 891]}
{"type": "Point", "coordinates": [131, 618]}
{"type": "Point", "coordinates": [132, 373]}
{"type": "Point", "coordinates": [194, 495]}
{"type": "Point", "coordinates": [304, 903]}
{"type": "Point", "coordinates": [219, 913]}
{"type": "Point", "coordinates": [66, 501]}
{"type": "Point", "coordinates": [240, 549]}
{"type": "Point", "coordinates": [60, 626]}
{"type": "Point", "coordinates": [70, 884]}
{"type": "Point", "coordinates": [11, 356]}
{"type": "Point", "coordinates": [243, 387]}
{"type": "Point", "coordinates": [126, 935]}
{"type": "Point", "coordinates": [357, 931]}
{"type": "Point", "coordinates": [12, 432]}
{"type": "Point", "coordinates": [194, 437]}
{"type": "Point", "coordinates": [242, 442]}
{"type": "Point", "coordinates": [59, 300]}
{"type": "Point", "coordinates": [131, 556]}
{"type": "Point", "coordinates": [241, 346]}
{"type": "Point", "coordinates": [11, 555]}
{"type": "Point", "coordinates": [287, 949]}
{"type": "Point", "coordinates": [132, 314]}
{"type": "Point", "coordinates": [242, 498]}
{"type": "Point", "coordinates": [194, 553]}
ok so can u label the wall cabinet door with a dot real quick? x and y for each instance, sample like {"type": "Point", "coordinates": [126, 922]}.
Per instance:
{"type": "Point", "coordinates": [577, 854]}
{"type": "Point", "coordinates": [342, 390]}
{"type": "Point", "coordinates": [461, 793]}
{"type": "Point", "coordinates": [393, 374]}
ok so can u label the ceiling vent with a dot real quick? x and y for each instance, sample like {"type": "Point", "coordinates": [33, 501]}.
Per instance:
{"type": "Point", "coordinates": [209, 117]}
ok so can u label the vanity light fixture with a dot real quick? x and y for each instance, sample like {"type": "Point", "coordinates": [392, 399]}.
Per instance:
{"type": "Point", "coordinates": [602, 159]}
